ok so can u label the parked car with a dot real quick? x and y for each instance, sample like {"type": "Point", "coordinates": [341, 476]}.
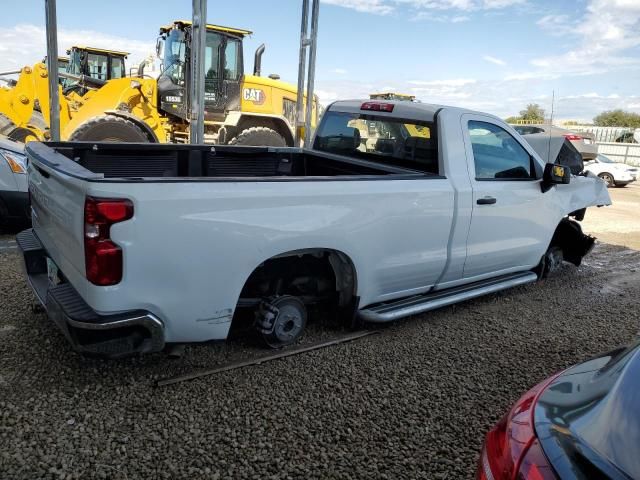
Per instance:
{"type": "Point", "coordinates": [396, 210]}
{"type": "Point", "coordinates": [612, 173]}
{"type": "Point", "coordinates": [556, 149]}
{"type": "Point", "coordinates": [14, 201]}
{"type": "Point", "coordinates": [626, 137]}
{"type": "Point", "coordinates": [584, 142]}
{"type": "Point", "coordinates": [583, 423]}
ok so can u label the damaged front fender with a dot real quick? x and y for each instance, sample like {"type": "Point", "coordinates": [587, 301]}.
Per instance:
{"type": "Point", "coordinates": [584, 191]}
{"type": "Point", "coordinates": [573, 199]}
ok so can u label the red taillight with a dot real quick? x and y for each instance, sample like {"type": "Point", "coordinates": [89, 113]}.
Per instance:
{"type": "Point", "coordinates": [103, 258]}
{"type": "Point", "coordinates": [377, 106]}
{"type": "Point", "coordinates": [572, 138]}
{"type": "Point", "coordinates": [511, 450]}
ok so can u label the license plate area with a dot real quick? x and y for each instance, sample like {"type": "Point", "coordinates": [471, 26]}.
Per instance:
{"type": "Point", "coordinates": [53, 272]}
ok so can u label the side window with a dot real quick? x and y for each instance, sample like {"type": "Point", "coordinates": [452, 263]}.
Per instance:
{"type": "Point", "coordinates": [117, 67]}
{"type": "Point", "coordinates": [231, 71]}
{"type": "Point", "coordinates": [497, 155]}
{"type": "Point", "coordinates": [97, 66]}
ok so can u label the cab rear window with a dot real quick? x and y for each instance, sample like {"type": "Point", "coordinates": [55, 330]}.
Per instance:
{"type": "Point", "coordinates": [401, 143]}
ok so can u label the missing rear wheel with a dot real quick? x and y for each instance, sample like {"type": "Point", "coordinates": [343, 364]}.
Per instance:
{"type": "Point", "coordinates": [281, 320]}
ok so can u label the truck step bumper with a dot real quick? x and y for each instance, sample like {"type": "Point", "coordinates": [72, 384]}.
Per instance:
{"type": "Point", "coordinates": [111, 336]}
{"type": "Point", "coordinates": [390, 311]}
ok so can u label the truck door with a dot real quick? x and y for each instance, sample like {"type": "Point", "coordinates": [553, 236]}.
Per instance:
{"type": "Point", "coordinates": [512, 221]}
{"type": "Point", "coordinates": [223, 69]}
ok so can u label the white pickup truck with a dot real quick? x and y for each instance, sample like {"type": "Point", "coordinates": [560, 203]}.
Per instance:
{"type": "Point", "coordinates": [397, 209]}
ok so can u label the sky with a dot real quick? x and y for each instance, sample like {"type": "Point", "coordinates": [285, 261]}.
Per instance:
{"type": "Point", "coordinates": [489, 55]}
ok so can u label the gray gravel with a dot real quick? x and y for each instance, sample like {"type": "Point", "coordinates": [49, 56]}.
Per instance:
{"type": "Point", "coordinates": [412, 402]}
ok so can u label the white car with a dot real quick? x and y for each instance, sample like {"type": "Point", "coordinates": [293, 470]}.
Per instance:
{"type": "Point", "coordinates": [14, 199]}
{"type": "Point", "coordinates": [612, 173]}
{"type": "Point", "coordinates": [137, 245]}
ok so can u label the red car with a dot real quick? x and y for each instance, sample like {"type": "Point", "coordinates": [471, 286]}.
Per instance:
{"type": "Point", "coordinates": [583, 423]}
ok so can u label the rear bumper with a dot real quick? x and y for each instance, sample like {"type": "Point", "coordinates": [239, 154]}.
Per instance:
{"type": "Point", "coordinates": [111, 336]}
{"type": "Point", "coordinates": [622, 183]}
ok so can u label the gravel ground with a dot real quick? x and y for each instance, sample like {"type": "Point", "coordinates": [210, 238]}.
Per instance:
{"type": "Point", "coordinates": [412, 402]}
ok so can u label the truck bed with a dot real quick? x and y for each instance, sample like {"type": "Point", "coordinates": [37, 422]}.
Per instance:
{"type": "Point", "coordinates": [138, 162]}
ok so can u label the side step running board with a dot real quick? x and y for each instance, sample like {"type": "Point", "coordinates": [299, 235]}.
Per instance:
{"type": "Point", "coordinates": [390, 311]}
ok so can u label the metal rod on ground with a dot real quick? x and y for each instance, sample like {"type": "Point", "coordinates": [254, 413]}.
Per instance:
{"type": "Point", "coordinates": [12, 72]}
{"type": "Point", "coordinates": [52, 68]}
{"type": "Point", "coordinates": [198, 43]}
{"type": "Point", "coordinates": [312, 71]}
{"type": "Point", "coordinates": [302, 66]}
{"type": "Point", "coordinates": [267, 358]}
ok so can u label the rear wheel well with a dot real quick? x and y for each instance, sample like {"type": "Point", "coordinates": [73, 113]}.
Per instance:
{"type": "Point", "coordinates": [314, 275]}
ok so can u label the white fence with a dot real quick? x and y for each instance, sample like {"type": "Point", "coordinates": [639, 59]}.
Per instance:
{"type": "Point", "coordinates": [621, 152]}
{"type": "Point", "coordinates": [612, 142]}
{"type": "Point", "coordinates": [603, 134]}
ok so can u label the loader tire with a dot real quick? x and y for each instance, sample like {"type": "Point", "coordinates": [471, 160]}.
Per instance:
{"type": "Point", "coordinates": [259, 137]}
{"type": "Point", "coordinates": [109, 128]}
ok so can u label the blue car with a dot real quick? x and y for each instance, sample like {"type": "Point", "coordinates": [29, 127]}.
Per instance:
{"type": "Point", "coordinates": [583, 423]}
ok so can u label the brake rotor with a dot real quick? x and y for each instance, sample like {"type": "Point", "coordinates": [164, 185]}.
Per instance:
{"type": "Point", "coordinates": [281, 320]}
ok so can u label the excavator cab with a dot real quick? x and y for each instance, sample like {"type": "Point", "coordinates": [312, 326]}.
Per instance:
{"type": "Point", "coordinates": [223, 69]}
{"type": "Point", "coordinates": [96, 63]}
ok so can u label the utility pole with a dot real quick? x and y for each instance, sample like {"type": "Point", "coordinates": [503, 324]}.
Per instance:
{"type": "Point", "coordinates": [196, 95]}
{"type": "Point", "coordinates": [308, 40]}
{"type": "Point", "coordinates": [52, 68]}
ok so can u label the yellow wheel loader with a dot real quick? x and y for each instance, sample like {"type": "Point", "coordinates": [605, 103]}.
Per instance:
{"type": "Point", "coordinates": [239, 109]}
{"type": "Point", "coordinates": [24, 104]}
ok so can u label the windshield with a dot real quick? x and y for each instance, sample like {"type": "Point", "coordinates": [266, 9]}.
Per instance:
{"type": "Point", "coordinates": [410, 144]}
{"type": "Point", "coordinates": [74, 66]}
{"type": "Point", "coordinates": [603, 159]}
{"type": "Point", "coordinates": [75, 63]}
{"type": "Point", "coordinates": [174, 57]}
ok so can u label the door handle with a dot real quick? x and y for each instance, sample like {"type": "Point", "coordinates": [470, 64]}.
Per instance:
{"type": "Point", "coordinates": [486, 201]}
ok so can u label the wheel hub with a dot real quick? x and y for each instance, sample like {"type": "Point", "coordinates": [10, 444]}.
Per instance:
{"type": "Point", "coordinates": [281, 320]}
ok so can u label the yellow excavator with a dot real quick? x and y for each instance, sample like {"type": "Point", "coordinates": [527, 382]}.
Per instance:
{"type": "Point", "coordinates": [239, 109]}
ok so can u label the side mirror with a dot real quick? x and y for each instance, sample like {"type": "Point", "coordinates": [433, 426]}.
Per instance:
{"type": "Point", "coordinates": [159, 45]}
{"type": "Point", "coordinates": [554, 175]}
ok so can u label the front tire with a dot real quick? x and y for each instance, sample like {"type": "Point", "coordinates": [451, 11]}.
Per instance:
{"type": "Point", "coordinates": [109, 128]}
{"type": "Point", "coordinates": [607, 178]}
{"type": "Point", "coordinates": [259, 137]}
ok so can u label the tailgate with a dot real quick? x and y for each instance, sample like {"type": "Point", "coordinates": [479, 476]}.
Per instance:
{"type": "Point", "coordinates": [57, 186]}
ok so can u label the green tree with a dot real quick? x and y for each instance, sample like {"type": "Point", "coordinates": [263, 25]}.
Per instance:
{"type": "Point", "coordinates": [512, 119]}
{"type": "Point", "coordinates": [617, 118]}
{"type": "Point", "coordinates": [533, 113]}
